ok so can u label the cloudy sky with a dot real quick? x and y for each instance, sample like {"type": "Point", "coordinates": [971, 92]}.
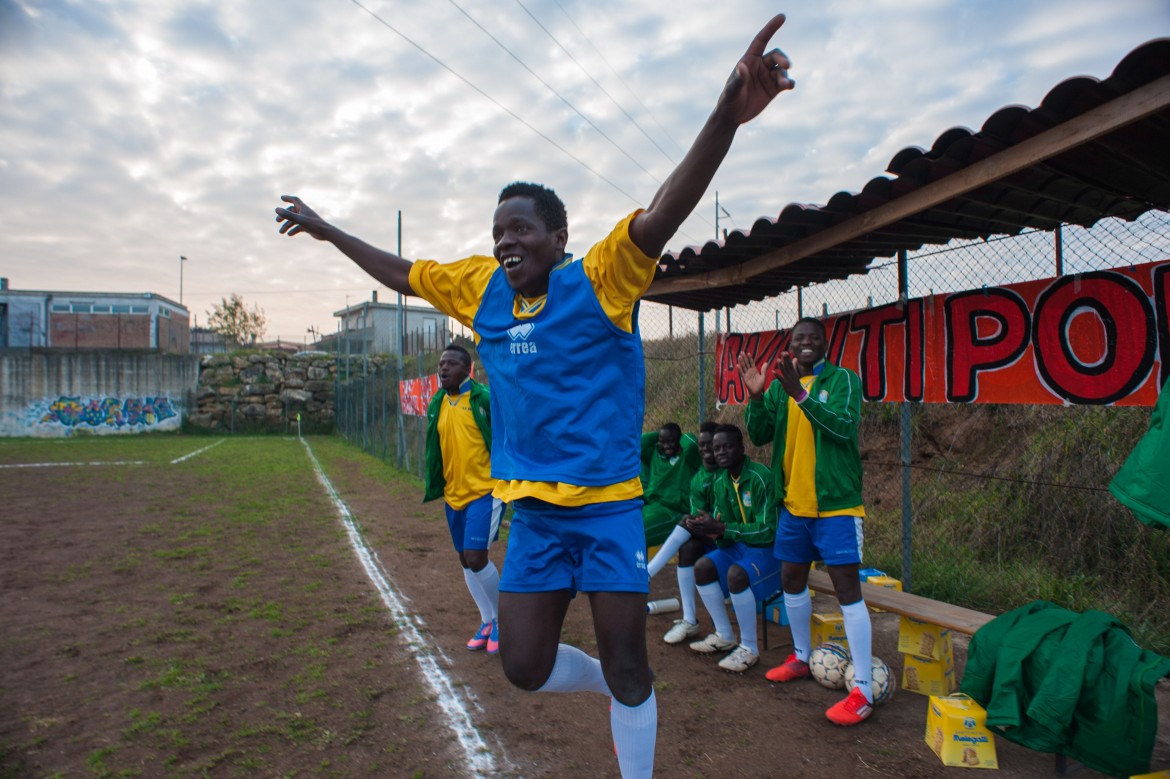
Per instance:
{"type": "Point", "coordinates": [135, 132]}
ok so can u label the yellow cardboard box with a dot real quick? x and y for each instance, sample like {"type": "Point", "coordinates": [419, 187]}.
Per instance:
{"type": "Point", "coordinates": [1163, 774]}
{"type": "Point", "coordinates": [956, 729]}
{"type": "Point", "coordinates": [888, 582]}
{"type": "Point", "coordinates": [828, 627]}
{"type": "Point", "coordinates": [924, 640]}
{"type": "Point", "coordinates": [929, 677]}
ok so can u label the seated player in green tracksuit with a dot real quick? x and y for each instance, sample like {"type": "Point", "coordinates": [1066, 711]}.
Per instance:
{"type": "Point", "coordinates": [688, 546]}
{"type": "Point", "coordinates": [743, 527]}
{"type": "Point", "coordinates": [669, 461]}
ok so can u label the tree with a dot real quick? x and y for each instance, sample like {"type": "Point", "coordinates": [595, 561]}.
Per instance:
{"type": "Point", "coordinates": [235, 323]}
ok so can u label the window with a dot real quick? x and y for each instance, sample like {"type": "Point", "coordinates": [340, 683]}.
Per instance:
{"type": "Point", "coordinates": [166, 312]}
{"type": "Point", "coordinates": [60, 308]}
{"type": "Point", "coordinates": [121, 309]}
{"type": "Point", "coordinates": [81, 308]}
{"type": "Point", "coordinates": [101, 309]}
{"type": "Point", "coordinates": [139, 310]}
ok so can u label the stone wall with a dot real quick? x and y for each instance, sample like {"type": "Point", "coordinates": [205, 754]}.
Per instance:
{"type": "Point", "coordinates": [265, 392]}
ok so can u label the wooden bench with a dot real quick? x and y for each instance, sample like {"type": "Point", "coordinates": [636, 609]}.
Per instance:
{"type": "Point", "coordinates": [934, 612]}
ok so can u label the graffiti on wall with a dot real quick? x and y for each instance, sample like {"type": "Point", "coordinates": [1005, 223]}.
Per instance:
{"type": "Point", "coordinates": [73, 412]}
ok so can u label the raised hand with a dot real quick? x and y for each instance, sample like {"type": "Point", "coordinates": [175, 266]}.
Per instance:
{"type": "Point", "coordinates": [299, 218]}
{"type": "Point", "coordinates": [754, 380]}
{"type": "Point", "coordinates": [758, 77]}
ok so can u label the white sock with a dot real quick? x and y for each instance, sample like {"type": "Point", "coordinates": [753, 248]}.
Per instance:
{"type": "Point", "coordinates": [859, 632]}
{"type": "Point", "coordinates": [744, 604]}
{"type": "Point", "coordinates": [489, 579]}
{"type": "Point", "coordinates": [679, 536]}
{"type": "Point", "coordinates": [575, 671]}
{"type": "Point", "coordinates": [712, 597]}
{"type": "Point", "coordinates": [478, 595]}
{"type": "Point", "coordinates": [686, 593]}
{"type": "Point", "coordinates": [799, 608]}
{"type": "Point", "coordinates": [635, 729]}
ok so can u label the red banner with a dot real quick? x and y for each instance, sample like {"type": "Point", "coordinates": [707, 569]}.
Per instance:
{"type": "Point", "coordinates": [1099, 338]}
{"type": "Point", "coordinates": [415, 394]}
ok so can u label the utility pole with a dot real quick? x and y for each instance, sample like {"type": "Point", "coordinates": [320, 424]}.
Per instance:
{"type": "Point", "coordinates": [182, 259]}
{"type": "Point", "coordinates": [401, 327]}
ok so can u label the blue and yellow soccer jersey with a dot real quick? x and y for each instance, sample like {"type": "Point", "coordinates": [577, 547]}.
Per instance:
{"type": "Point", "coordinates": [619, 274]}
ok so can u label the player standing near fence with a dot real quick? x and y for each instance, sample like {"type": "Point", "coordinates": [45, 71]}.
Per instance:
{"type": "Point", "coordinates": [458, 469]}
{"type": "Point", "coordinates": [559, 340]}
{"type": "Point", "coordinates": [810, 415]}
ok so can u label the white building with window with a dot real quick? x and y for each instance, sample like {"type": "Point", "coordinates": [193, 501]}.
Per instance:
{"type": "Point", "coordinates": [373, 328]}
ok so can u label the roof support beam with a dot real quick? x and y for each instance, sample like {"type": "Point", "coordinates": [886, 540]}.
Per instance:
{"type": "Point", "coordinates": [1102, 120]}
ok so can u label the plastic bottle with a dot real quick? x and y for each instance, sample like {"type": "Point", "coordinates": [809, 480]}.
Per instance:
{"type": "Point", "coordinates": [662, 606]}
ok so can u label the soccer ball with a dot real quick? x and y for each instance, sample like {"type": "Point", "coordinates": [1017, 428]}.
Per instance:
{"type": "Point", "coordinates": [827, 665]}
{"type": "Point", "coordinates": [882, 680]}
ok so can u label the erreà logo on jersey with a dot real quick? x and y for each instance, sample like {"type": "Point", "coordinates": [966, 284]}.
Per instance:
{"type": "Point", "coordinates": [519, 334]}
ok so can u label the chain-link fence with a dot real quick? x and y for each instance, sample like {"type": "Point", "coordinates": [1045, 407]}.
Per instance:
{"type": "Point", "coordinates": [983, 505]}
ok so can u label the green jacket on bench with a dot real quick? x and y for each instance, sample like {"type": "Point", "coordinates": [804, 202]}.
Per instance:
{"type": "Point", "coordinates": [1077, 684]}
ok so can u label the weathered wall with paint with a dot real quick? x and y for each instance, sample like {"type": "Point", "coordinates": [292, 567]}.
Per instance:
{"type": "Point", "coordinates": [55, 394]}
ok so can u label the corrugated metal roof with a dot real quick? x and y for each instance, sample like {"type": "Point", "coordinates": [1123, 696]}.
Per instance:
{"type": "Point", "coordinates": [1092, 149]}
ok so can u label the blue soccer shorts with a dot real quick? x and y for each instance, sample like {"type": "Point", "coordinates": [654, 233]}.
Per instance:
{"type": "Point", "coordinates": [599, 547]}
{"type": "Point", "coordinates": [763, 569]}
{"type": "Point", "coordinates": [836, 540]}
{"type": "Point", "coordinates": [477, 524]}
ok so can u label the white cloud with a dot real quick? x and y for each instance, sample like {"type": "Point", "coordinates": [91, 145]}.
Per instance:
{"type": "Point", "coordinates": [132, 132]}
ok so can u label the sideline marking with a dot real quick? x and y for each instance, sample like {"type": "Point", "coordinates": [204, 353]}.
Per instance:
{"type": "Point", "coordinates": [475, 750]}
{"type": "Point", "coordinates": [58, 465]}
{"type": "Point", "coordinates": [198, 451]}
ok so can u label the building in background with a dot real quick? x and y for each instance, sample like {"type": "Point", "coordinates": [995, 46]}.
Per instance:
{"type": "Point", "coordinates": [204, 340]}
{"type": "Point", "coordinates": [372, 328]}
{"type": "Point", "coordinates": [40, 319]}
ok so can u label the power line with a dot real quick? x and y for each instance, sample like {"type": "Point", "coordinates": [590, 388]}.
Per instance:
{"type": "Point", "coordinates": [498, 104]}
{"type": "Point", "coordinates": [552, 89]}
{"type": "Point", "coordinates": [589, 76]}
{"type": "Point", "coordinates": [629, 89]}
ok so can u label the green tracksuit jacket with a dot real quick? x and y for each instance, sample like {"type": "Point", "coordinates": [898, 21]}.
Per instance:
{"type": "Point", "coordinates": [433, 457]}
{"type": "Point", "coordinates": [756, 524]}
{"type": "Point", "coordinates": [1141, 484]}
{"type": "Point", "coordinates": [1057, 681]}
{"type": "Point", "coordinates": [668, 482]}
{"type": "Point", "coordinates": [833, 407]}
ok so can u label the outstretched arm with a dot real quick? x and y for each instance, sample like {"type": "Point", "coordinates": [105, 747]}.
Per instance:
{"type": "Point", "coordinates": [388, 268]}
{"type": "Point", "coordinates": [758, 77]}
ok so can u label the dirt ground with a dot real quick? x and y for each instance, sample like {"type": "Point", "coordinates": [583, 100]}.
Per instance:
{"type": "Point", "coordinates": [73, 701]}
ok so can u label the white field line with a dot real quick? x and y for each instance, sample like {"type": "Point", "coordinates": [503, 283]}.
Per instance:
{"type": "Point", "coordinates": [198, 451]}
{"type": "Point", "coordinates": [475, 750]}
{"type": "Point", "coordinates": [62, 465]}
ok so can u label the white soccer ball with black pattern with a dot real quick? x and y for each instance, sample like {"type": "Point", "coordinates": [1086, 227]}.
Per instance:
{"type": "Point", "coordinates": [827, 664]}
{"type": "Point", "coordinates": [882, 680]}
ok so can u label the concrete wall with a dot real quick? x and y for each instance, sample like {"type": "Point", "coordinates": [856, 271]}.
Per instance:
{"type": "Point", "coordinates": [55, 394]}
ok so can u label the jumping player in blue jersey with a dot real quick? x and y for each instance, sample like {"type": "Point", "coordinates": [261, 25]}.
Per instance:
{"type": "Point", "coordinates": [560, 344]}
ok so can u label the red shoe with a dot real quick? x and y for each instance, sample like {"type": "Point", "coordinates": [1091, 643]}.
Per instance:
{"type": "Point", "coordinates": [792, 668]}
{"type": "Point", "coordinates": [851, 711]}
{"type": "Point", "coordinates": [481, 637]}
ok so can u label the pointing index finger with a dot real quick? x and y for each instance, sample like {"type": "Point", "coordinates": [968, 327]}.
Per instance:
{"type": "Point", "coordinates": [760, 42]}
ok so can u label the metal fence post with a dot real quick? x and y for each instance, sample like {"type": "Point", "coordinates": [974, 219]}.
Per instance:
{"type": "Point", "coordinates": [702, 373]}
{"type": "Point", "coordinates": [904, 445]}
